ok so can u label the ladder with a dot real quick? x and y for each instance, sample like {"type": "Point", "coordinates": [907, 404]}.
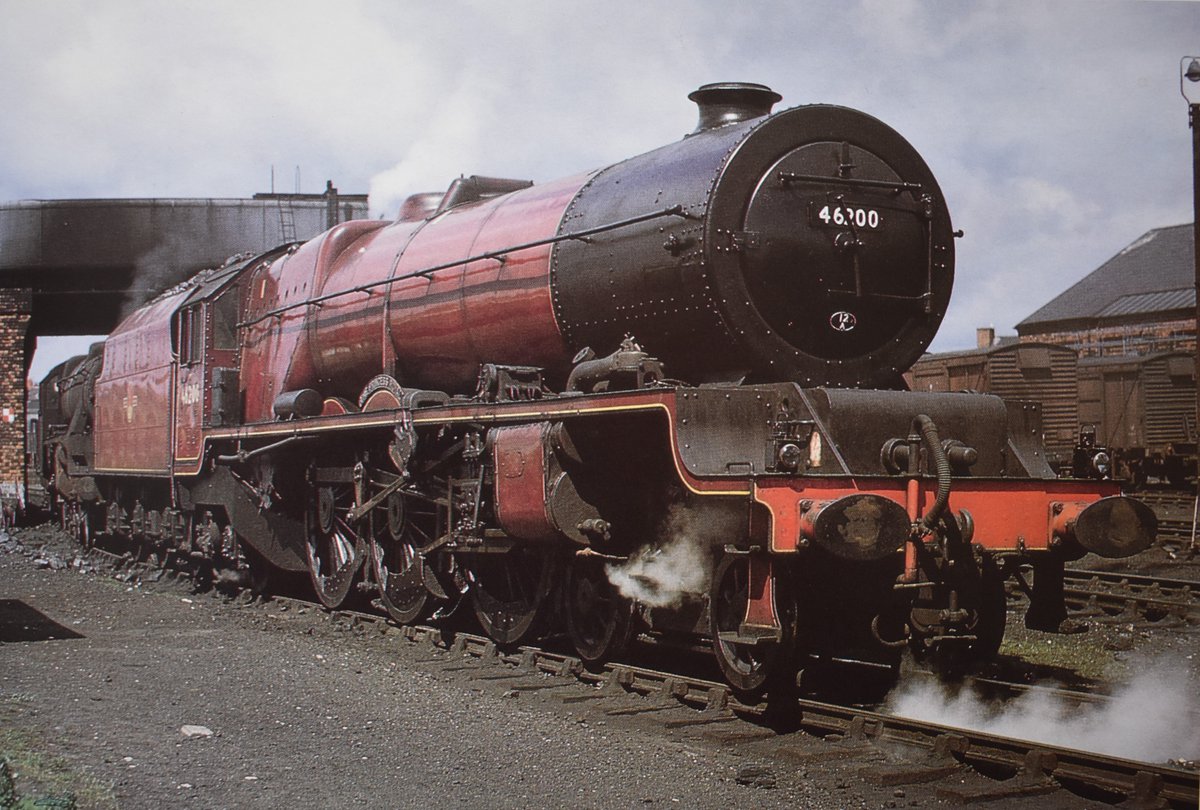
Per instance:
{"type": "Point", "coordinates": [287, 221]}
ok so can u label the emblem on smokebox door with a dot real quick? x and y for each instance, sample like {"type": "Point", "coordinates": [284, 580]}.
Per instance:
{"type": "Point", "coordinates": [843, 321]}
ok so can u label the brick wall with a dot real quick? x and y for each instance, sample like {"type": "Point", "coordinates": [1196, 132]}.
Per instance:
{"type": "Point", "coordinates": [1142, 338]}
{"type": "Point", "coordinates": [14, 322]}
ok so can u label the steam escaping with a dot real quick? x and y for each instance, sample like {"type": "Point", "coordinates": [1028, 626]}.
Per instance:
{"type": "Point", "coordinates": [158, 269]}
{"type": "Point", "coordinates": [452, 145]}
{"type": "Point", "coordinates": [661, 574]}
{"type": "Point", "coordinates": [1152, 719]}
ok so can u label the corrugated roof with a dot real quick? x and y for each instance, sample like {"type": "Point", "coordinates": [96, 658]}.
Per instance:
{"type": "Point", "coordinates": [1003, 346]}
{"type": "Point", "coordinates": [1158, 262]}
{"type": "Point", "coordinates": [1130, 360]}
{"type": "Point", "coordinates": [1150, 302]}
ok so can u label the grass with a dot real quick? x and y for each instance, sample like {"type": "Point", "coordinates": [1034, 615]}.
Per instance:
{"type": "Point", "coordinates": [33, 779]}
{"type": "Point", "coordinates": [1084, 654]}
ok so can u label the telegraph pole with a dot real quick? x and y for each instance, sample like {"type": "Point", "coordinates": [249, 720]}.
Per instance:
{"type": "Point", "coordinates": [1189, 86]}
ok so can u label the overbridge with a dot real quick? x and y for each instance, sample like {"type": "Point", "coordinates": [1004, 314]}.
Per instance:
{"type": "Point", "coordinates": [77, 267]}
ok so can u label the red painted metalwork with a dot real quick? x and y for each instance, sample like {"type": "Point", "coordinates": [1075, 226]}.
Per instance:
{"type": "Point", "coordinates": [334, 406]}
{"type": "Point", "coordinates": [519, 454]}
{"type": "Point", "coordinates": [190, 395]}
{"type": "Point", "coordinates": [445, 327]}
{"type": "Point", "coordinates": [761, 610]}
{"type": "Point", "coordinates": [429, 332]}
{"type": "Point", "coordinates": [1009, 515]}
{"type": "Point", "coordinates": [277, 353]}
{"type": "Point", "coordinates": [135, 393]}
{"type": "Point", "coordinates": [382, 400]}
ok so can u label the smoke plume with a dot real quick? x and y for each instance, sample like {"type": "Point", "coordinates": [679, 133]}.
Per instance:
{"type": "Point", "coordinates": [1152, 719]}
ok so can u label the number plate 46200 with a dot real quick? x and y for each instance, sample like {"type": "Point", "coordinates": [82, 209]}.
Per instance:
{"type": "Point", "coordinates": [844, 215]}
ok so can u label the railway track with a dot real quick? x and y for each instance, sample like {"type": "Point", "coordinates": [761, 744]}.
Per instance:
{"type": "Point", "coordinates": [1130, 596]}
{"type": "Point", "coordinates": [1176, 512]}
{"type": "Point", "coordinates": [1000, 767]}
{"type": "Point", "coordinates": [967, 765]}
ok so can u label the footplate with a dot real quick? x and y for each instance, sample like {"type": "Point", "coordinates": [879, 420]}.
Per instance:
{"type": "Point", "coordinates": [752, 634]}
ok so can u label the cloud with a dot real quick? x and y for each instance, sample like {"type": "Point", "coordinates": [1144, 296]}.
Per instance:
{"type": "Point", "coordinates": [1056, 130]}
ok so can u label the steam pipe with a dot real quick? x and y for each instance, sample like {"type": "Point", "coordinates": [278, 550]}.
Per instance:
{"type": "Point", "coordinates": [912, 503]}
{"type": "Point", "coordinates": [926, 429]}
{"type": "Point", "coordinates": [929, 433]}
{"type": "Point", "coordinates": [590, 371]}
{"type": "Point", "coordinates": [586, 375]}
{"type": "Point", "coordinates": [245, 455]}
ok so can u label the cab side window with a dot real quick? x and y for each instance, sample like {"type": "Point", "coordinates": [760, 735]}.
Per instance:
{"type": "Point", "coordinates": [191, 336]}
{"type": "Point", "coordinates": [224, 320]}
{"type": "Point", "coordinates": [184, 346]}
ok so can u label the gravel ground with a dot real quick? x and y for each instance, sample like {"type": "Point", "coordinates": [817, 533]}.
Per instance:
{"type": "Point", "coordinates": [97, 685]}
{"type": "Point", "coordinates": [304, 713]}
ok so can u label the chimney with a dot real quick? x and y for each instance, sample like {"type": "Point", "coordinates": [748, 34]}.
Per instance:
{"type": "Point", "coordinates": [985, 337]}
{"type": "Point", "coordinates": [732, 103]}
{"type": "Point", "coordinates": [331, 205]}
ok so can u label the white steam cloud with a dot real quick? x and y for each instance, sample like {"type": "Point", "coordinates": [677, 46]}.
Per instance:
{"type": "Point", "coordinates": [660, 576]}
{"type": "Point", "coordinates": [1152, 719]}
{"type": "Point", "coordinates": [662, 573]}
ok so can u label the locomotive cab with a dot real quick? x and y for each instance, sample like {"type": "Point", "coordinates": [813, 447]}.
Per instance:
{"type": "Point", "coordinates": [206, 345]}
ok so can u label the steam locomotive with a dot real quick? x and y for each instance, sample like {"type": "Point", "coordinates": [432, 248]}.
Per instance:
{"type": "Point", "coordinates": [535, 400]}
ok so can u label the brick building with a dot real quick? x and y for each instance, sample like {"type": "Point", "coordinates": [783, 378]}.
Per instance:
{"type": "Point", "coordinates": [15, 309]}
{"type": "Point", "coordinates": [1141, 301]}
{"type": "Point", "coordinates": [1132, 322]}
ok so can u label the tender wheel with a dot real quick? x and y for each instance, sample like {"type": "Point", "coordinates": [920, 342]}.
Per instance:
{"type": "Point", "coordinates": [511, 593]}
{"type": "Point", "coordinates": [599, 618]}
{"type": "Point", "coordinates": [334, 550]}
{"type": "Point", "coordinates": [74, 521]}
{"type": "Point", "coordinates": [84, 530]}
{"type": "Point", "coordinates": [396, 567]}
{"type": "Point", "coordinates": [750, 668]}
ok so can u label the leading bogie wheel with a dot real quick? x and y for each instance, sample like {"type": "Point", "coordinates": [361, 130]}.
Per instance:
{"type": "Point", "coordinates": [752, 669]}
{"type": "Point", "coordinates": [991, 613]}
{"type": "Point", "coordinates": [599, 618]}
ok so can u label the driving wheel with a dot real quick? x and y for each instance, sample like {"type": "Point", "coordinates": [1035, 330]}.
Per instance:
{"type": "Point", "coordinates": [396, 565]}
{"type": "Point", "coordinates": [333, 548]}
{"type": "Point", "coordinates": [511, 593]}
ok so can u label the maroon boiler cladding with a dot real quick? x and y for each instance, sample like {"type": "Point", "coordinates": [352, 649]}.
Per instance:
{"type": "Point", "coordinates": [810, 245]}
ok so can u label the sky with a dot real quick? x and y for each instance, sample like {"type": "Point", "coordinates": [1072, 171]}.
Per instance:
{"type": "Point", "coordinates": [1056, 130]}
